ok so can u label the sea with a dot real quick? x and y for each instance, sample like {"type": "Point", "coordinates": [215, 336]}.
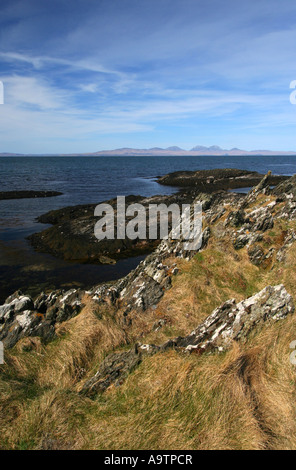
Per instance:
{"type": "Point", "coordinates": [84, 180]}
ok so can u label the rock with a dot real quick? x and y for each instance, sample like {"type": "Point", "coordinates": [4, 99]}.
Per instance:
{"type": "Point", "coordinates": [27, 194]}
{"type": "Point", "coordinates": [145, 285]}
{"type": "Point", "coordinates": [72, 235]}
{"type": "Point", "coordinates": [233, 322]}
{"type": "Point", "coordinates": [15, 304]}
{"type": "Point", "coordinates": [256, 254]}
{"type": "Point", "coordinates": [230, 322]}
{"type": "Point", "coordinates": [263, 187]}
{"type": "Point", "coordinates": [20, 317]}
{"type": "Point", "coordinates": [23, 303]}
{"type": "Point", "coordinates": [236, 218]}
{"type": "Point", "coordinates": [261, 219]}
{"type": "Point", "coordinates": [289, 240]}
{"type": "Point", "coordinates": [209, 181]}
{"type": "Point", "coordinates": [286, 188]}
{"type": "Point", "coordinates": [114, 370]}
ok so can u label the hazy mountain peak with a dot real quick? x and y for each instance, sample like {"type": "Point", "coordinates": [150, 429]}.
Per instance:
{"type": "Point", "coordinates": [174, 148]}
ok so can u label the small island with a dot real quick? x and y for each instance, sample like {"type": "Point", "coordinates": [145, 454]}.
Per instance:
{"type": "Point", "coordinates": [4, 195]}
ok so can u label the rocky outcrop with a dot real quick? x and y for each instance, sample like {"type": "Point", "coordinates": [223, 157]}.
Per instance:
{"type": "Point", "coordinates": [145, 286]}
{"type": "Point", "coordinates": [290, 238]}
{"type": "Point", "coordinates": [20, 316]}
{"type": "Point", "coordinates": [27, 194]}
{"type": "Point", "coordinates": [230, 322]}
{"type": "Point", "coordinates": [243, 219]}
{"type": "Point", "coordinates": [250, 225]}
{"type": "Point", "coordinates": [286, 189]}
{"type": "Point", "coordinates": [114, 370]}
{"type": "Point", "coordinates": [209, 181]}
{"type": "Point", "coordinates": [234, 321]}
{"type": "Point", "coordinates": [72, 235]}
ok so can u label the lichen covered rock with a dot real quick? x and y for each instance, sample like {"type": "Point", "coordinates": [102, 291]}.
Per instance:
{"type": "Point", "coordinates": [234, 321]}
{"type": "Point", "coordinates": [21, 317]}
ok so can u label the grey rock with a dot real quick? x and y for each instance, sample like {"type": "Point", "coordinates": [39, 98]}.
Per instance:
{"type": "Point", "coordinates": [114, 370]}
{"type": "Point", "coordinates": [258, 256]}
{"type": "Point", "coordinates": [289, 240]}
{"type": "Point", "coordinates": [236, 218]}
{"type": "Point", "coordinates": [262, 219]}
{"type": "Point", "coordinates": [232, 321]}
{"type": "Point", "coordinates": [21, 317]}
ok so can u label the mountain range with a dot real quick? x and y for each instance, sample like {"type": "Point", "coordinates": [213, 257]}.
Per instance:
{"type": "Point", "coordinates": [201, 150]}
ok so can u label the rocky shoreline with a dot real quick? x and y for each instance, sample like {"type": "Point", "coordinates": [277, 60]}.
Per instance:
{"type": "Point", "coordinates": [186, 333]}
{"type": "Point", "coordinates": [72, 235]}
{"type": "Point", "coordinates": [209, 181]}
{"type": "Point", "coordinates": [245, 219]}
{"type": "Point", "coordinates": [5, 195]}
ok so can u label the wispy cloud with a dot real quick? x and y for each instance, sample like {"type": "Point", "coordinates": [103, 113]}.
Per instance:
{"type": "Point", "coordinates": [87, 73]}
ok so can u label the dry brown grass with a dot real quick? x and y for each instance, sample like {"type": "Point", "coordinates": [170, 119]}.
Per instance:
{"type": "Point", "coordinates": [242, 399]}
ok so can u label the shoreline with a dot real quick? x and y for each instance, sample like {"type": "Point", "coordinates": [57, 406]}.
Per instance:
{"type": "Point", "coordinates": [6, 195]}
{"type": "Point", "coordinates": [67, 247]}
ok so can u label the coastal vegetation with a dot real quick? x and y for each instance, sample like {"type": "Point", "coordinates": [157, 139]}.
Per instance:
{"type": "Point", "coordinates": [164, 395]}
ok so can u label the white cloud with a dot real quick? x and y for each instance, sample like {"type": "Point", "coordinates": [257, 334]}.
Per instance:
{"type": "Point", "coordinates": [142, 66]}
{"type": "Point", "coordinates": [22, 90]}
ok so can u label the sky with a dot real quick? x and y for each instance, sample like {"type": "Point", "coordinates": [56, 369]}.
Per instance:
{"type": "Point", "coordinates": [89, 75]}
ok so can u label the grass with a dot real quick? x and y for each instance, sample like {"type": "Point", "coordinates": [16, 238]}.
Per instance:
{"type": "Point", "coordinates": [241, 399]}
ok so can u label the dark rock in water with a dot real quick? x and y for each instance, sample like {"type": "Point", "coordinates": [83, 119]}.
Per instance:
{"type": "Point", "coordinates": [27, 194]}
{"type": "Point", "coordinates": [72, 235]}
{"type": "Point", "coordinates": [210, 181]}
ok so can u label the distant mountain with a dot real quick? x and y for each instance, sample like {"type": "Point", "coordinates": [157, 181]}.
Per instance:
{"type": "Point", "coordinates": [198, 150]}
{"type": "Point", "coordinates": [6, 154]}
{"type": "Point", "coordinates": [201, 148]}
{"type": "Point", "coordinates": [175, 149]}
{"type": "Point", "coordinates": [195, 151]}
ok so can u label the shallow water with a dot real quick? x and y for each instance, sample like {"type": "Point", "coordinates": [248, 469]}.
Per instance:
{"type": "Point", "coordinates": [84, 180]}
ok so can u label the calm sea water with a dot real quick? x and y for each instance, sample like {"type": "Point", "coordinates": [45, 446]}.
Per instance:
{"type": "Point", "coordinates": [85, 180]}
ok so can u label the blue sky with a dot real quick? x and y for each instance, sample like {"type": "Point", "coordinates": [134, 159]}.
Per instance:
{"type": "Point", "coordinates": [89, 75]}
